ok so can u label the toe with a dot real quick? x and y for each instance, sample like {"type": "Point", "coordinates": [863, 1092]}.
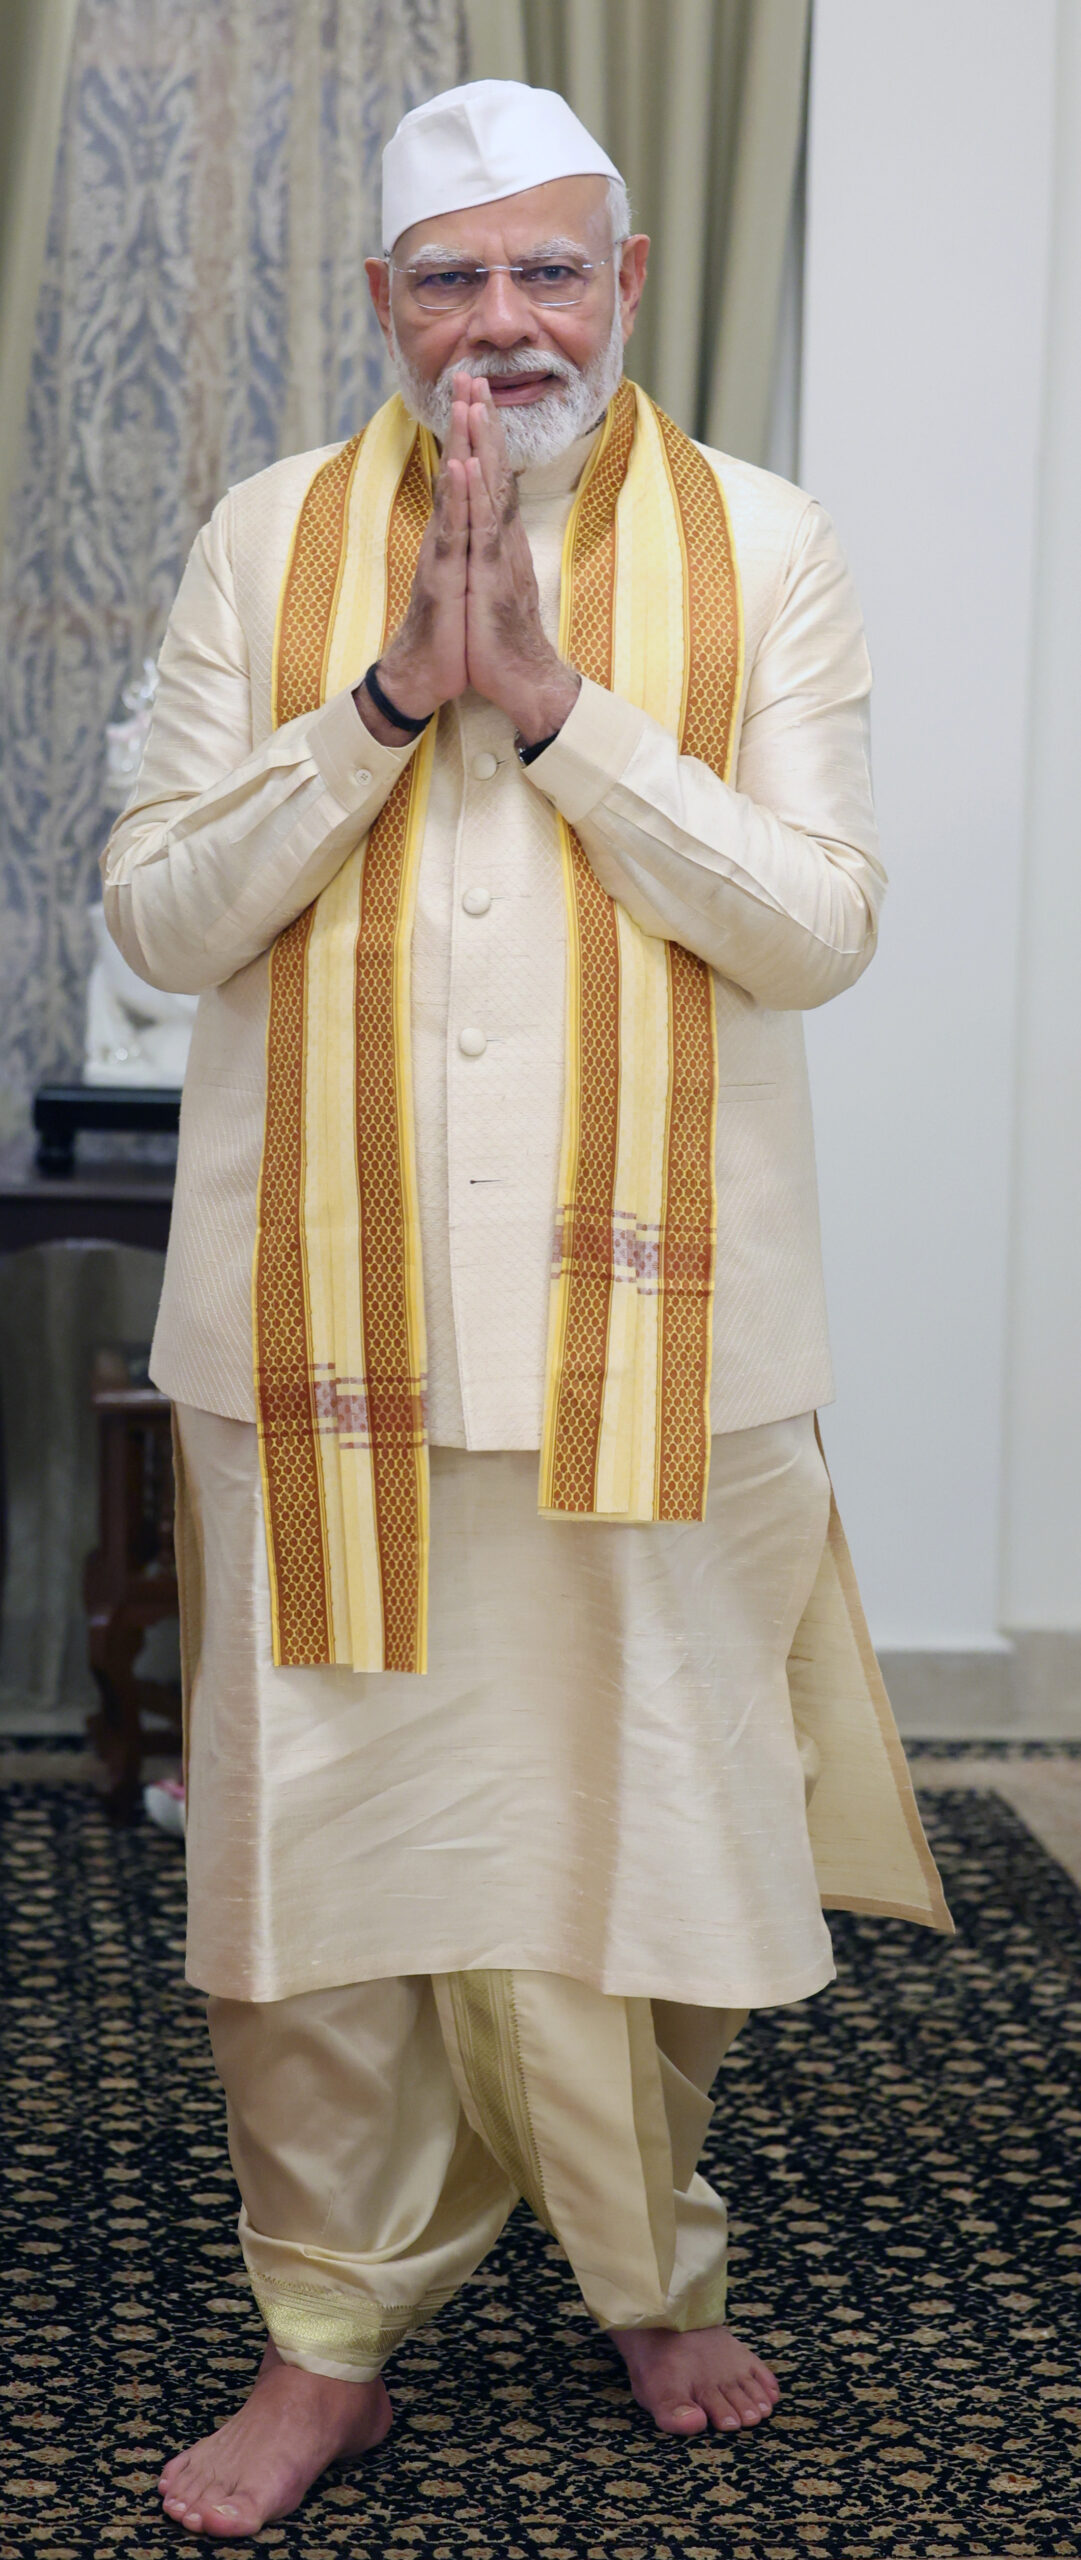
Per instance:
{"type": "Point", "coordinates": [230, 2515]}
{"type": "Point", "coordinates": [765, 2398]}
{"type": "Point", "coordinates": [681, 2417]}
{"type": "Point", "coordinates": [179, 2476]}
{"type": "Point", "coordinates": [749, 2404]}
{"type": "Point", "coordinates": [722, 2411]}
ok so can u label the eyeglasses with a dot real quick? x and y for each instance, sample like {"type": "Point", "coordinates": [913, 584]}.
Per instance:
{"type": "Point", "coordinates": [552, 284]}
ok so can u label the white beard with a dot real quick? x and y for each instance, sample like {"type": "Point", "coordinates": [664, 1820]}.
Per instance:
{"type": "Point", "coordinates": [544, 430]}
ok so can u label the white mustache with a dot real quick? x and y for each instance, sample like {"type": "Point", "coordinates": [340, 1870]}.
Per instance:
{"type": "Point", "coordinates": [535, 431]}
{"type": "Point", "coordinates": [518, 362]}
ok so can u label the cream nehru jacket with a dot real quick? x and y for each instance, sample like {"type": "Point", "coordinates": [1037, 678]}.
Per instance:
{"type": "Point", "coordinates": [774, 881]}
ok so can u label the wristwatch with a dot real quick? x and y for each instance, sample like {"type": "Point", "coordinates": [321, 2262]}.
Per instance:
{"type": "Point", "coordinates": [398, 719]}
{"type": "Point", "coordinates": [527, 754]}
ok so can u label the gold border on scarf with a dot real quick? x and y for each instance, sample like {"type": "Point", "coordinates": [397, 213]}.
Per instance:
{"type": "Point", "coordinates": [284, 1380]}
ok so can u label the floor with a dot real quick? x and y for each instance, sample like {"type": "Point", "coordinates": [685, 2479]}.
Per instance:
{"type": "Point", "coordinates": [901, 2157]}
{"type": "Point", "coordinates": [1042, 1786]}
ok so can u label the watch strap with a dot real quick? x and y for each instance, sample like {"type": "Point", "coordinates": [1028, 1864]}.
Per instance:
{"type": "Point", "coordinates": [383, 704]}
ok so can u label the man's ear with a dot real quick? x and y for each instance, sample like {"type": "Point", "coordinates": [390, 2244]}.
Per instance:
{"type": "Point", "coordinates": [634, 259]}
{"type": "Point", "coordinates": [378, 275]}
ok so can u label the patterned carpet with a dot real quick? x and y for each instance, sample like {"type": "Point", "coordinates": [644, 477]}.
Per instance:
{"type": "Point", "coordinates": [901, 2156]}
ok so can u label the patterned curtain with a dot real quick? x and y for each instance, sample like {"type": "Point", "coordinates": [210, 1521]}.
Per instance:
{"type": "Point", "coordinates": [203, 310]}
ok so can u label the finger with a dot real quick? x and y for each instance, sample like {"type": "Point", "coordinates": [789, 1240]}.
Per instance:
{"type": "Point", "coordinates": [457, 443]}
{"type": "Point", "coordinates": [489, 445]}
{"type": "Point", "coordinates": [483, 415]}
{"type": "Point", "coordinates": [453, 527]}
{"type": "Point", "coordinates": [478, 443]}
{"type": "Point", "coordinates": [464, 389]}
{"type": "Point", "coordinates": [483, 521]}
{"type": "Point", "coordinates": [496, 430]}
{"type": "Point", "coordinates": [456, 450]}
{"type": "Point", "coordinates": [458, 491]}
{"type": "Point", "coordinates": [457, 440]}
{"type": "Point", "coordinates": [446, 534]}
{"type": "Point", "coordinates": [505, 484]}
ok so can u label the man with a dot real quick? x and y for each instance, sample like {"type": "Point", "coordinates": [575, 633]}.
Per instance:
{"type": "Point", "coordinates": [507, 798]}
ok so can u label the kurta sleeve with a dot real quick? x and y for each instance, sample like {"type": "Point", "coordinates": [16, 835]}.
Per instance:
{"type": "Point", "coordinates": [222, 844]}
{"type": "Point", "coordinates": [776, 881]}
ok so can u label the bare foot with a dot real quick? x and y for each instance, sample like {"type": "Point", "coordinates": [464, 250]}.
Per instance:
{"type": "Point", "coordinates": [259, 2464]}
{"type": "Point", "coordinates": [691, 2378]}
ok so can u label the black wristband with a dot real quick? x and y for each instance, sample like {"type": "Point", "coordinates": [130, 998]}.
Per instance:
{"type": "Point", "coordinates": [526, 754]}
{"type": "Point", "coordinates": [398, 719]}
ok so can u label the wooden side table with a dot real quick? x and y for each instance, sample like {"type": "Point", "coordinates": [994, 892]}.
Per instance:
{"type": "Point", "coordinates": [118, 1203]}
{"type": "Point", "coordinates": [109, 1203]}
{"type": "Point", "coordinates": [61, 1110]}
{"type": "Point", "coordinates": [130, 1582]}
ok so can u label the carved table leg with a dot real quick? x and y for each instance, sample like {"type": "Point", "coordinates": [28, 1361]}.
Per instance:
{"type": "Point", "coordinates": [115, 1639]}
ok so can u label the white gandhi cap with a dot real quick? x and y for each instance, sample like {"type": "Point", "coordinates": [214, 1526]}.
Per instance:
{"type": "Point", "coordinates": [472, 145]}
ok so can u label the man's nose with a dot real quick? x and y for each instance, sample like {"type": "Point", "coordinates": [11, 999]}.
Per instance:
{"type": "Point", "coordinates": [502, 315]}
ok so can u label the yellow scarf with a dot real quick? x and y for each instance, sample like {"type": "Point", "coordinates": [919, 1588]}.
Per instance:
{"type": "Point", "coordinates": [649, 608]}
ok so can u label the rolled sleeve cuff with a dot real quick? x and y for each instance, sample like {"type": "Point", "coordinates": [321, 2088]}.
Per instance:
{"type": "Point", "coordinates": [356, 767]}
{"type": "Point", "coordinates": [591, 752]}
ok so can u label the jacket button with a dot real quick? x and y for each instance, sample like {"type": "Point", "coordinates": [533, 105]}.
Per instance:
{"type": "Point", "coordinates": [362, 776]}
{"type": "Point", "coordinates": [485, 765]}
{"type": "Point", "coordinates": [471, 1042]}
{"type": "Point", "coordinates": [477, 901]}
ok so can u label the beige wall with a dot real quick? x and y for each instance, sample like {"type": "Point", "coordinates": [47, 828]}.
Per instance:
{"type": "Point", "coordinates": [926, 407]}
{"type": "Point", "coordinates": [1042, 1506]}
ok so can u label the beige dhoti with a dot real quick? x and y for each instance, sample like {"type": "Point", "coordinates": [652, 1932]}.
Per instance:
{"type": "Point", "coordinates": [487, 1932]}
{"type": "Point", "coordinates": [382, 2132]}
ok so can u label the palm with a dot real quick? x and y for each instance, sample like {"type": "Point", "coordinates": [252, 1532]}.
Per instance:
{"type": "Point", "coordinates": [511, 660]}
{"type": "Point", "coordinates": [425, 662]}
{"type": "Point", "coordinates": [502, 612]}
{"type": "Point", "coordinates": [434, 625]}
{"type": "Point", "coordinates": [473, 616]}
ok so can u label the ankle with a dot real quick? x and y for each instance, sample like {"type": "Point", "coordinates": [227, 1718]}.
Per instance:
{"type": "Point", "coordinates": [320, 2382]}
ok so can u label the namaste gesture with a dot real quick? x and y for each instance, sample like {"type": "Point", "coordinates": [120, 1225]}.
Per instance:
{"type": "Point", "coordinates": [473, 616]}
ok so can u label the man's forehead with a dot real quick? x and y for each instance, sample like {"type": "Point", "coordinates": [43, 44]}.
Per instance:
{"type": "Point", "coordinates": [562, 209]}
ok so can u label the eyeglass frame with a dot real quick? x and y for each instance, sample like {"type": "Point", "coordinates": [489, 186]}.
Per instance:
{"type": "Point", "coordinates": [589, 266]}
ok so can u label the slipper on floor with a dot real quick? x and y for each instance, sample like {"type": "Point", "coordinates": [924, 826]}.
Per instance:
{"type": "Point", "coordinates": [164, 1802]}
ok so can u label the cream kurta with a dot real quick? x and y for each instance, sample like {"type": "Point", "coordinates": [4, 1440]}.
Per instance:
{"type": "Point", "coordinates": [233, 830]}
{"type": "Point", "coordinates": [599, 1775]}
{"type": "Point", "coordinates": [602, 1773]}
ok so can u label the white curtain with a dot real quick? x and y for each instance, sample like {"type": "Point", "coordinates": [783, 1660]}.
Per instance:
{"type": "Point", "coordinates": [35, 44]}
{"type": "Point", "coordinates": [202, 310]}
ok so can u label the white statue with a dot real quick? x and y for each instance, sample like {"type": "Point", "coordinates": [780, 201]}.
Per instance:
{"type": "Point", "coordinates": [135, 1034]}
{"type": "Point", "coordinates": [125, 739]}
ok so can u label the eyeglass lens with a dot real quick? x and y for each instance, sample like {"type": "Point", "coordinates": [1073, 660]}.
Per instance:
{"type": "Point", "coordinates": [548, 283]}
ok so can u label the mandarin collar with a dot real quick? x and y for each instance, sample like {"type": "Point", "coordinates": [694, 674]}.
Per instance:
{"type": "Point", "coordinates": [557, 478]}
